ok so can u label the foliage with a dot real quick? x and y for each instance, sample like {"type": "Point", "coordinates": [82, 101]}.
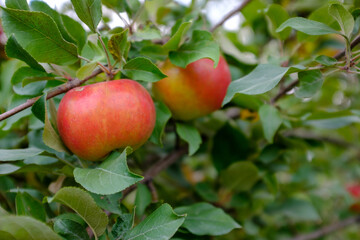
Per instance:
{"type": "Point", "coordinates": [279, 159]}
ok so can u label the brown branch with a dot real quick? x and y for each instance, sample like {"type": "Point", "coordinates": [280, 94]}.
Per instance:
{"type": "Point", "coordinates": [329, 229]}
{"type": "Point", "coordinates": [159, 166]}
{"type": "Point", "coordinates": [57, 91]}
{"type": "Point", "coordinates": [230, 14]}
{"type": "Point", "coordinates": [285, 90]}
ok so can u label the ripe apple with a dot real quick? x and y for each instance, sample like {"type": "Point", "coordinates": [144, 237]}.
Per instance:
{"type": "Point", "coordinates": [95, 119]}
{"type": "Point", "coordinates": [194, 91]}
{"type": "Point", "coordinates": [354, 191]}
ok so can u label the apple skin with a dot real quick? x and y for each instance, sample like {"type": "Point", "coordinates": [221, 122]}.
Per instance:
{"type": "Point", "coordinates": [96, 119]}
{"type": "Point", "coordinates": [194, 91]}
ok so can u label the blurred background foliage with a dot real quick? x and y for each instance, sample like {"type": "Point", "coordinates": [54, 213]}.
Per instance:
{"type": "Point", "coordinates": [294, 185]}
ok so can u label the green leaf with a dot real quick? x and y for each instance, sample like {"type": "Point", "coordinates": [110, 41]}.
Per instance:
{"type": "Point", "coordinates": [86, 70]}
{"type": "Point", "coordinates": [117, 5]}
{"type": "Point", "coordinates": [84, 205]}
{"type": "Point", "coordinates": [22, 75]}
{"type": "Point", "coordinates": [325, 60]}
{"type": "Point", "coordinates": [27, 205]}
{"type": "Point", "coordinates": [38, 109]}
{"type": "Point", "coordinates": [343, 17]}
{"type": "Point", "coordinates": [262, 79]}
{"type": "Point", "coordinates": [230, 145]}
{"type": "Point", "coordinates": [148, 32]}
{"type": "Point", "coordinates": [122, 225]}
{"type": "Point", "coordinates": [17, 4]}
{"type": "Point", "coordinates": [240, 176]}
{"type": "Point", "coordinates": [163, 115]}
{"type": "Point", "coordinates": [275, 16]}
{"type": "Point", "coordinates": [18, 154]}
{"type": "Point", "coordinates": [332, 120]}
{"type": "Point", "coordinates": [161, 224]}
{"type": "Point", "coordinates": [40, 160]}
{"type": "Point", "coordinates": [143, 199]}
{"type": "Point", "coordinates": [41, 6]}
{"type": "Point", "coordinates": [189, 134]}
{"type": "Point", "coordinates": [23, 227]}
{"type": "Point", "coordinates": [7, 168]}
{"type": "Point", "coordinates": [75, 30]}
{"type": "Point", "coordinates": [307, 26]}
{"type": "Point", "coordinates": [207, 192]}
{"type": "Point", "coordinates": [14, 50]}
{"type": "Point", "coordinates": [201, 45]}
{"type": "Point", "coordinates": [89, 11]}
{"type": "Point", "coordinates": [38, 34]}
{"type": "Point", "coordinates": [205, 219]}
{"type": "Point", "coordinates": [175, 39]}
{"type": "Point", "coordinates": [270, 120]}
{"type": "Point", "coordinates": [50, 137]}
{"type": "Point", "coordinates": [119, 46]}
{"type": "Point", "coordinates": [142, 69]}
{"type": "Point", "coordinates": [109, 177]}
{"type": "Point", "coordinates": [310, 83]}
{"type": "Point", "coordinates": [69, 228]}
{"type": "Point", "coordinates": [296, 210]}
{"type": "Point", "coordinates": [110, 202]}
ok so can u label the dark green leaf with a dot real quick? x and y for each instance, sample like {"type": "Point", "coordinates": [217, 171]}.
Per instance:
{"type": "Point", "coordinates": [270, 120]}
{"type": "Point", "coordinates": [110, 202]}
{"type": "Point", "coordinates": [14, 50]}
{"type": "Point", "coordinates": [161, 224]}
{"type": "Point", "coordinates": [201, 45]}
{"type": "Point", "coordinates": [102, 179]}
{"type": "Point", "coordinates": [230, 145]}
{"type": "Point", "coordinates": [142, 200]}
{"type": "Point", "coordinates": [117, 5]}
{"type": "Point", "coordinates": [38, 109]}
{"type": "Point", "coordinates": [84, 205]}
{"type": "Point", "coordinates": [27, 205]}
{"type": "Point", "coordinates": [163, 115]}
{"type": "Point", "coordinates": [240, 176]}
{"type": "Point", "coordinates": [310, 83]}
{"type": "Point", "coordinates": [142, 69]}
{"type": "Point", "coordinates": [122, 226]}
{"type": "Point", "coordinates": [119, 45]}
{"type": "Point", "coordinates": [89, 11]}
{"type": "Point", "coordinates": [70, 230]}
{"type": "Point", "coordinates": [205, 219]}
{"type": "Point", "coordinates": [24, 73]}
{"type": "Point", "coordinates": [189, 134]}
{"type": "Point", "coordinates": [307, 26]}
{"type": "Point", "coordinates": [18, 154]}
{"type": "Point", "coordinates": [75, 30]}
{"type": "Point", "coordinates": [38, 34]}
{"type": "Point", "coordinates": [206, 192]}
{"type": "Point", "coordinates": [23, 227]}
{"type": "Point", "coordinates": [86, 70]}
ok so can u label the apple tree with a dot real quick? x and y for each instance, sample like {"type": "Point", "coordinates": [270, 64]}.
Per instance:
{"type": "Point", "coordinates": [171, 126]}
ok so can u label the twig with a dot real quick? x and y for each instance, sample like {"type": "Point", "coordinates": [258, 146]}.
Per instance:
{"type": "Point", "coordinates": [230, 14]}
{"type": "Point", "coordinates": [161, 165]}
{"type": "Point", "coordinates": [154, 195]}
{"type": "Point", "coordinates": [329, 229]}
{"type": "Point", "coordinates": [338, 56]}
{"type": "Point", "coordinates": [109, 73]}
{"type": "Point", "coordinates": [57, 91]}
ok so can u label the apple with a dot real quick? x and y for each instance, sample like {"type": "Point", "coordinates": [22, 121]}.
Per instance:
{"type": "Point", "coordinates": [354, 191]}
{"type": "Point", "coordinates": [96, 119]}
{"type": "Point", "coordinates": [194, 91]}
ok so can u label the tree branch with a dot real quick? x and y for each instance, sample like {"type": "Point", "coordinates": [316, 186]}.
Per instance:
{"type": "Point", "coordinates": [329, 229]}
{"type": "Point", "coordinates": [57, 91]}
{"type": "Point", "coordinates": [286, 89]}
{"type": "Point", "coordinates": [230, 14]}
{"type": "Point", "coordinates": [159, 166]}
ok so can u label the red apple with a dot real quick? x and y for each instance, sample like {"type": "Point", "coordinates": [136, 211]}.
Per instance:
{"type": "Point", "coordinates": [194, 91]}
{"type": "Point", "coordinates": [95, 119]}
